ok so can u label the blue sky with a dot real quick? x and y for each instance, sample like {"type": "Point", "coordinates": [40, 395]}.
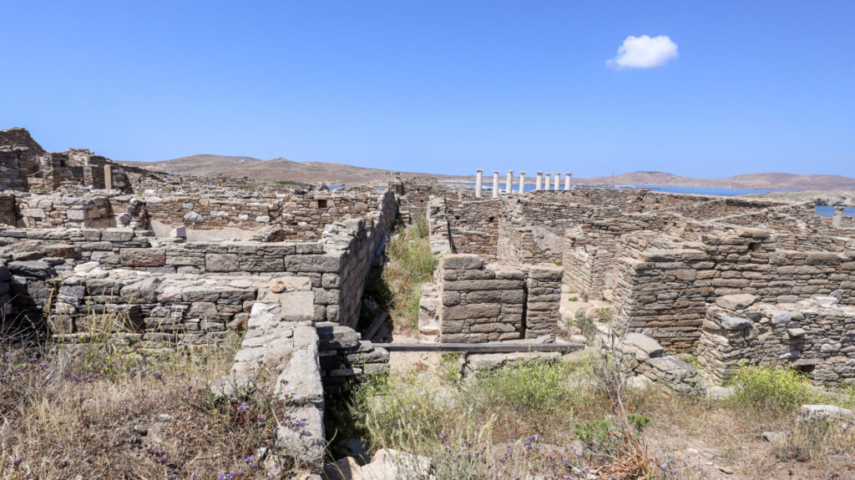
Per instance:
{"type": "Point", "coordinates": [438, 86]}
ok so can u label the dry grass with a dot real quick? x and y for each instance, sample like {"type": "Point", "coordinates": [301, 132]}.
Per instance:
{"type": "Point", "coordinates": [100, 412]}
{"type": "Point", "coordinates": [411, 263]}
{"type": "Point", "coordinates": [552, 420]}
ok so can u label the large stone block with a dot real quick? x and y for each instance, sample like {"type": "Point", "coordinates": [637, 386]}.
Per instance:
{"type": "Point", "coordinates": [222, 262]}
{"type": "Point", "coordinates": [553, 273]}
{"type": "Point", "coordinates": [461, 261]}
{"type": "Point", "coordinates": [117, 235]}
{"type": "Point", "coordinates": [495, 296]}
{"type": "Point", "coordinates": [143, 257]}
{"type": "Point", "coordinates": [261, 264]}
{"type": "Point", "coordinates": [475, 285]}
{"type": "Point", "coordinates": [298, 306]}
{"type": "Point", "coordinates": [144, 291]}
{"type": "Point", "coordinates": [326, 263]}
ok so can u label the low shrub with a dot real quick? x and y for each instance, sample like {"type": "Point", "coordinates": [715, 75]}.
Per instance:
{"type": "Point", "coordinates": [402, 411]}
{"type": "Point", "coordinates": [534, 386]}
{"type": "Point", "coordinates": [771, 389]}
{"type": "Point", "coordinates": [411, 263]}
{"type": "Point", "coordinates": [449, 366]}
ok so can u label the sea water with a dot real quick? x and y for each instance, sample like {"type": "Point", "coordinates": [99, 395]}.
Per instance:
{"type": "Point", "coordinates": [721, 192]}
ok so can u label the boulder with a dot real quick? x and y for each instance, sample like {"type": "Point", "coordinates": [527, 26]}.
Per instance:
{"type": "Point", "coordinates": [825, 412]}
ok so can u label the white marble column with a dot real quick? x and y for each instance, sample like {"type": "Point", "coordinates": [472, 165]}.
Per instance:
{"type": "Point", "coordinates": [557, 181]}
{"type": "Point", "coordinates": [539, 182]}
{"type": "Point", "coordinates": [567, 180]}
{"type": "Point", "coordinates": [509, 185]}
{"type": "Point", "coordinates": [837, 220]}
{"type": "Point", "coordinates": [522, 182]}
{"type": "Point", "coordinates": [495, 183]}
{"type": "Point", "coordinates": [547, 181]}
{"type": "Point", "coordinates": [478, 183]}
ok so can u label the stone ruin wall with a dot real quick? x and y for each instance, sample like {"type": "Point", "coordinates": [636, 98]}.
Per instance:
{"type": "Point", "coordinates": [26, 166]}
{"type": "Point", "coordinates": [293, 298]}
{"type": "Point", "coordinates": [13, 168]}
{"type": "Point", "coordinates": [467, 226]}
{"type": "Point", "coordinates": [336, 267]}
{"type": "Point", "coordinates": [479, 303]}
{"type": "Point", "coordinates": [663, 291]}
{"type": "Point", "coordinates": [236, 214]}
{"type": "Point", "coordinates": [488, 303]}
{"type": "Point", "coordinates": [663, 259]}
{"type": "Point", "coordinates": [813, 335]}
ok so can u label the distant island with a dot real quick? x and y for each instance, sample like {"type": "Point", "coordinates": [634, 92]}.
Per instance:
{"type": "Point", "coordinates": [281, 169]}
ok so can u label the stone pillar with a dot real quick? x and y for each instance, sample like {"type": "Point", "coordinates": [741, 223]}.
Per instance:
{"type": "Point", "coordinates": [495, 183]}
{"type": "Point", "coordinates": [567, 180]}
{"type": "Point", "coordinates": [539, 184]}
{"type": "Point", "coordinates": [478, 183]}
{"type": "Point", "coordinates": [546, 182]}
{"type": "Point", "coordinates": [556, 180]}
{"type": "Point", "coordinates": [522, 182]}
{"type": "Point", "coordinates": [837, 220]}
{"type": "Point", "coordinates": [108, 177]}
{"type": "Point", "coordinates": [509, 184]}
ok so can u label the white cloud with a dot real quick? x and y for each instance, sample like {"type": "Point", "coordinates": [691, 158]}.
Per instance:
{"type": "Point", "coordinates": [644, 52]}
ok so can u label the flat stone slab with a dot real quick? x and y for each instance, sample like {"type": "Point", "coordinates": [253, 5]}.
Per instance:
{"type": "Point", "coordinates": [300, 381]}
{"type": "Point", "coordinates": [301, 437]}
{"type": "Point", "coordinates": [826, 411]}
{"type": "Point", "coordinates": [736, 302]}
{"type": "Point", "coordinates": [642, 346]}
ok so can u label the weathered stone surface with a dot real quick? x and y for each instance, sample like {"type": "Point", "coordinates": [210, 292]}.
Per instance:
{"type": "Point", "coordinates": [642, 346]}
{"type": "Point", "coordinates": [144, 291]}
{"type": "Point", "coordinates": [461, 262]}
{"type": "Point", "coordinates": [300, 381]}
{"type": "Point", "coordinates": [301, 438]}
{"type": "Point", "coordinates": [824, 412]}
{"type": "Point", "coordinates": [736, 302]}
{"type": "Point", "coordinates": [730, 322]}
{"type": "Point", "coordinates": [235, 386]}
{"type": "Point", "coordinates": [222, 262]}
{"type": "Point", "coordinates": [143, 257]}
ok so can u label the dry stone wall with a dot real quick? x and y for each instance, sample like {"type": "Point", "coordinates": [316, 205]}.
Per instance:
{"type": "Point", "coordinates": [479, 303]}
{"type": "Point", "coordinates": [815, 335]}
{"type": "Point", "coordinates": [662, 289]}
{"type": "Point", "coordinates": [543, 297]}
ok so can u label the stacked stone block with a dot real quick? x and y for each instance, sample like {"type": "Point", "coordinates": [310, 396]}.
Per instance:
{"type": "Point", "coordinates": [663, 293]}
{"type": "Point", "coordinates": [6, 309]}
{"type": "Point", "coordinates": [346, 359]}
{"type": "Point", "coordinates": [147, 309]}
{"type": "Point", "coordinates": [543, 289]}
{"type": "Point", "coordinates": [13, 170]}
{"type": "Point", "coordinates": [7, 210]}
{"type": "Point", "coordinates": [479, 303]}
{"type": "Point", "coordinates": [816, 336]}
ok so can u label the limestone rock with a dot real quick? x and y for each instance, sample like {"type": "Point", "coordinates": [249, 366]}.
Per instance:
{"type": "Point", "coordinates": [642, 346]}
{"type": "Point", "coordinates": [823, 412]}
{"type": "Point", "coordinates": [192, 217]}
{"type": "Point", "coordinates": [730, 322]}
{"type": "Point", "coordinates": [234, 386]}
{"type": "Point", "coordinates": [736, 302]}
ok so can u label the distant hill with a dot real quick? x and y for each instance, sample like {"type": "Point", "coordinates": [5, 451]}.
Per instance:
{"type": "Point", "coordinates": [337, 173]}
{"type": "Point", "coordinates": [766, 181]}
{"type": "Point", "coordinates": [274, 170]}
